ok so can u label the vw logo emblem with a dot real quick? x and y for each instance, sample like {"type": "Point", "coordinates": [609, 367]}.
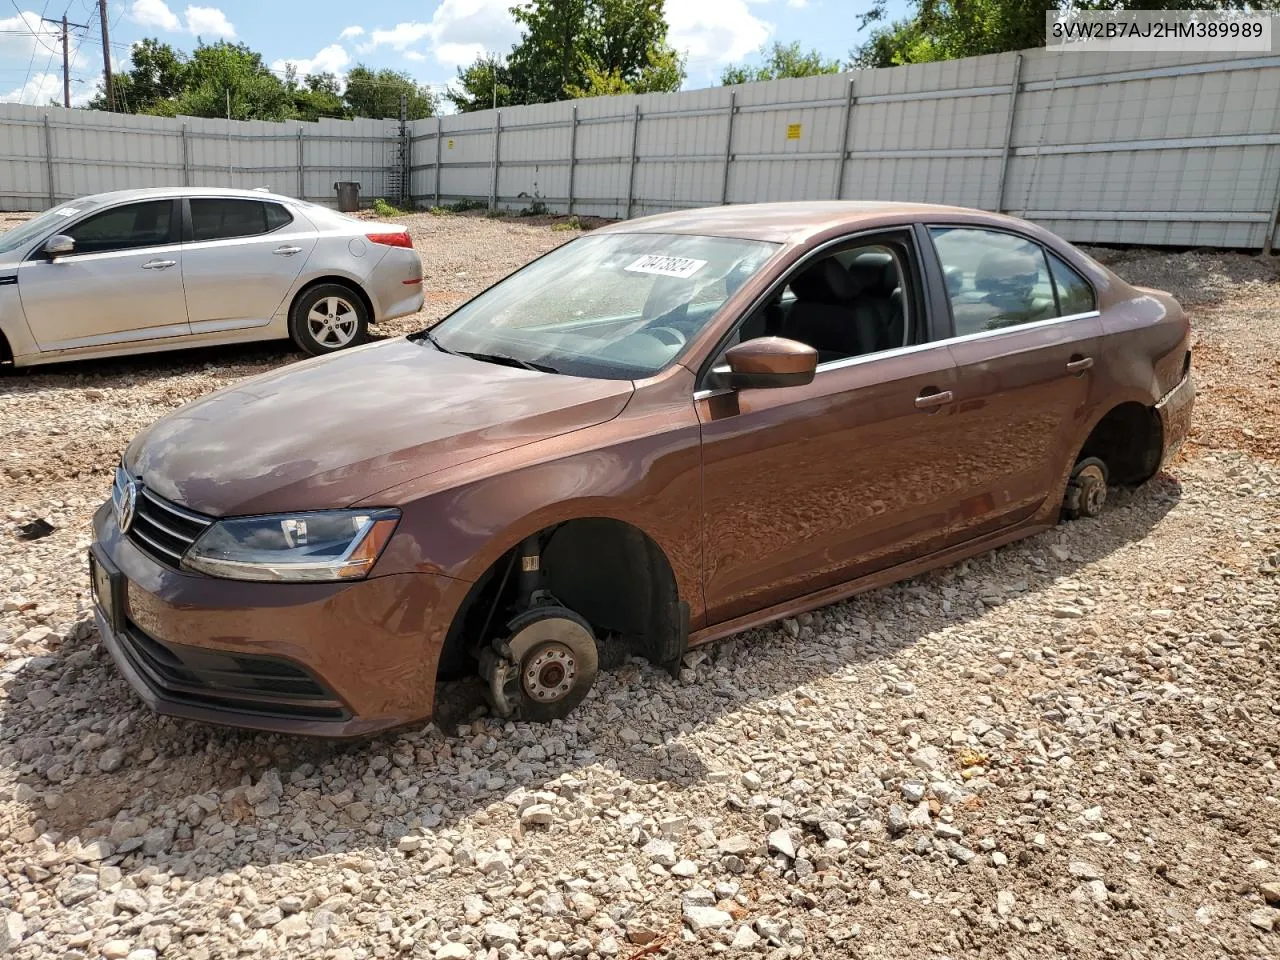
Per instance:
{"type": "Point", "coordinates": [126, 504]}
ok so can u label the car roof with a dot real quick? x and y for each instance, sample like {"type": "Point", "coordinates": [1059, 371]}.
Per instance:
{"type": "Point", "coordinates": [154, 193]}
{"type": "Point", "coordinates": [790, 222]}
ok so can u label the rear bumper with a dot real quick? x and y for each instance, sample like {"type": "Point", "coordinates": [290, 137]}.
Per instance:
{"type": "Point", "coordinates": [1175, 417]}
{"type": "Point", "coordinates": [396, 284]}
{"type": "Point", "coordinates": [323, 659]}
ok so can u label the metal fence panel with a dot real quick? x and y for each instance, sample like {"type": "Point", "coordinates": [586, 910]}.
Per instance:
{"type": "Point", "coordinates": [1156, 148]}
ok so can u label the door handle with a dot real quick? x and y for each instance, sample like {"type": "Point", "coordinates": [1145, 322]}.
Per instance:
{"type": "Point", "coordinates": [159, 264]}
{"type": "Point", "coordinates": [931, 401]}
{"type": "Point", "coordinates": [286, 251]}
{"type": "Point", "coordinates": [1079, 364]}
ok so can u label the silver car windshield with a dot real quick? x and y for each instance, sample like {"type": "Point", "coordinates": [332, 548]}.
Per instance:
{"type": "Point", "coordinates": [617, 306]}
{"type": "Point", "coordinates": [63, 213]}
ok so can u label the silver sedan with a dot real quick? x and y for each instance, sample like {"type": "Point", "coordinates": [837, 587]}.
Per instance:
{"type": "Point", "coordinates": [136, 271]}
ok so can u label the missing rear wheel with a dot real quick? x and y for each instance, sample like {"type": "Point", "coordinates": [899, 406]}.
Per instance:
{"type": "Point", "coordinates": [1086, 490]}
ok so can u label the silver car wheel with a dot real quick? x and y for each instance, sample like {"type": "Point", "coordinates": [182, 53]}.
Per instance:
{"type": "Point", "coordinates": [333, 322]}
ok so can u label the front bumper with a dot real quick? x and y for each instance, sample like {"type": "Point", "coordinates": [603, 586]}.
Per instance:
{"type": "Point", "coordinates": [1175, 417]}
{"type": "Point", "coordinates": [320, 659]}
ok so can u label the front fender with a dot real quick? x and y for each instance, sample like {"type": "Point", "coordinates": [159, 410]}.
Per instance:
{"type": "Point", "coordinates": [641, 470]}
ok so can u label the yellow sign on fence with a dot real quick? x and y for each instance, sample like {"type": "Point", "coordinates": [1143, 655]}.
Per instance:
{"type": "Point", "coordinates": [793, 131]}
{"type": "Point", "coordinates": [450, 142]}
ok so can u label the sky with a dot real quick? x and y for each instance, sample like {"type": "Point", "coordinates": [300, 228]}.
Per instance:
{"type": "Point", "coordinates": [428, 40]}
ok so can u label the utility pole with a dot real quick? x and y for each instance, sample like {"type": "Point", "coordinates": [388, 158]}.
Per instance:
{"type": "Point", "coordinates": [106, 56]}
{"type": "Point", "coordinates": [66, 55]}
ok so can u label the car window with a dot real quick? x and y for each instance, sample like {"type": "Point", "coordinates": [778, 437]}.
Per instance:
{"type": "Point", "coordinates": [277, 216]}
{"type": "Point", "coordinates": [852, 302]}
{"type": "Point", "coordinates": [1074, 293]}
{"type": "Point", "coordinates": [994, 279]}
{"type": "Point", "coordinates": [224, 218]}
{"type": "Point", "coordinates": [47, 222]}
{"type": "Point", "coordinates": [147, 224]}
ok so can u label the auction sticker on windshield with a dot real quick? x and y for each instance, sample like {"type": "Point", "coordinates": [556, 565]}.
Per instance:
{"type": "Point", "coordinates": [681, 267]}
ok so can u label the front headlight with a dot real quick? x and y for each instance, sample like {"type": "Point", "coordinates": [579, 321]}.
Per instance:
{"type": "Point", "coordinates": [323, 545]}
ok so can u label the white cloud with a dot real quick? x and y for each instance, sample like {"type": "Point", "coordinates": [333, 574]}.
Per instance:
{"type": "Point", "coordinates": [415, 56]}
{"type": "Point", "coordinates": [401, 36]}
{"type": "Point", "coordinates": [209, 22]}
{"type": "Point", "coordinates": [798, 4]}
{"type": "Point", "coordinates": [332, 59]}
{"type": "Point", "coordinates": [459, 54]}
{"type": "Point", "coordinates": [18, 39]}
{"type": "Point", "coordinates": [723, 31]}
{"type": "Point", "coordinates": [38, 91]}
{"type": "Point", "coordinates": [26, 45]}
{"type": "Point", "coordinates": [350, 32]}
{"type": "Point", "coordinates": [458, 32]}
{"type": "Point", "coordinates": [154, 13]}
{"type": "Point", "coordinates": [201, 21]}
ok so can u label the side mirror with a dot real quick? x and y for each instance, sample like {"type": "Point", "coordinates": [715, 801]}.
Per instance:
{"type": "Point", "coordinates": [58, 246]}
{"type": "Point", "coordinates": [767, 362]}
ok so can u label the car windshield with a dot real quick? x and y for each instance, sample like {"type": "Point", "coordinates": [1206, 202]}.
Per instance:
{"type": "Point", "coordinates": [13, 239]}
{"type": "Point", "coordinates": [617, 306]}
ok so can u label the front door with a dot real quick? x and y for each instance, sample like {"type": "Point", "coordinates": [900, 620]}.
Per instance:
{"type": "Point", "coordinates": [808, 487]}
{"type": "Point", "coordinates": [1025, 339]}
{"type": "Point", "coordinates": [240, 261]}
{"type": "Point", "coordinates": [122, 282]}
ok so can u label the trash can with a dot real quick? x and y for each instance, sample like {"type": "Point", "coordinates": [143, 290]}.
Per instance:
{"type": "Point", "coordinates": [348, 196]}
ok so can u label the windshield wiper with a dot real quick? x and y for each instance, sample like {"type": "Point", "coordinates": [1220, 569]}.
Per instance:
{"type": "Point", "coordinates": [509, 361]}
{"type": "Point", "coordinates": [437, 344]}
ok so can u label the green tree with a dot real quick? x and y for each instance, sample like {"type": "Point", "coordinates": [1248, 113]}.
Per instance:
{"type": "Point", "coordinates": [319, 95]}
{"type": "Point", "coordinates": [377, 94]}
{"type": "Point", "coordinates": [663, 73]}
{"type": "Point", "coordinates": [947, 29]}
{"type": "Point", "coordinates": [229, 79]}
{"type": "Point", "coordinates": [475, 86]}
{"type": "Point", "coordinates": [575, 48]}
{"type": "Point", "coordinates": [157, 74]}
{"type": "Point", "coordinates": [782, 61]}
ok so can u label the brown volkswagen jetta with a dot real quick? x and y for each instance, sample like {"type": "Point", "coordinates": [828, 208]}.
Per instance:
{"type": "Point", "coordinates": [666, 431]}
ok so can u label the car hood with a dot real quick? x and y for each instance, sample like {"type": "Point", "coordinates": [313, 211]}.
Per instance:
{"type": "Point", "coordinates": [335, 430]}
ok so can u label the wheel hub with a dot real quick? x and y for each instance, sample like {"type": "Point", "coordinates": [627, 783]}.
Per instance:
{"type": "Point", "coordinates": [548, 672]}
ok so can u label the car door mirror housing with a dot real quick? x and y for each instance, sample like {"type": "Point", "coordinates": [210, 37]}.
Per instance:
{"type": "Point", "coordinates": [767, 362]}
{"type": "Point", "coordinates": [58, 246]}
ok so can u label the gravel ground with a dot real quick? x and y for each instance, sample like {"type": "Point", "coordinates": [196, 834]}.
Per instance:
{"type": "Point", "coordinates": [1066, 747]}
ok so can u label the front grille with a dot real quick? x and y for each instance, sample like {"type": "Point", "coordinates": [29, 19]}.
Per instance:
{"type": "Point", "coordinates": [162, 530]}
{"type": "Point", "coordinates": [239, 682]}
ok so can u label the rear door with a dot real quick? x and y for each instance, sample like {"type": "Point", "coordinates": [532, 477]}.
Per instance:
{"type": "Point", "coordinates": [240, 259]}
{"type": "Point", "coordinates": [1025, 337]}
{"type": "Point", "coordinates": [122, 282]}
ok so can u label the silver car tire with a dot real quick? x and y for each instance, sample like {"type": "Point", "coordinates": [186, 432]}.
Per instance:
{"type": "Point", "coordinates": [328, 318]}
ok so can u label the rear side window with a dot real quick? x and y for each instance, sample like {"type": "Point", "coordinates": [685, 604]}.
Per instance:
{"type": "Point", "coordinates": [1074, 293]}
{"type": "Point", "coordinates": [226, 218]}
{"type": "Point", "coordinates": [994, 280]}
{"type": "Point", "coordinates": [133, 225]}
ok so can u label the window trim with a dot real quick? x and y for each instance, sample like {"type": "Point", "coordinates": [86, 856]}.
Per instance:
{"type": "Point", "coordinates": [1045, 250]}
{"type": "Point", "coordinates": [188, 222]}
{"type": "Point", "coordinates": [706, 392]}
{"type": "Point", "coordinates": [902, 230]}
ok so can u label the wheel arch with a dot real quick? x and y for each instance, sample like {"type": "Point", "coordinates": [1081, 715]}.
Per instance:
{"type": "Point", "coordinates": [341, 280]}
{"type": "Point", "coordinates": [609, 570]}
{"type": "Point", "coordinates": [1128, 436]}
